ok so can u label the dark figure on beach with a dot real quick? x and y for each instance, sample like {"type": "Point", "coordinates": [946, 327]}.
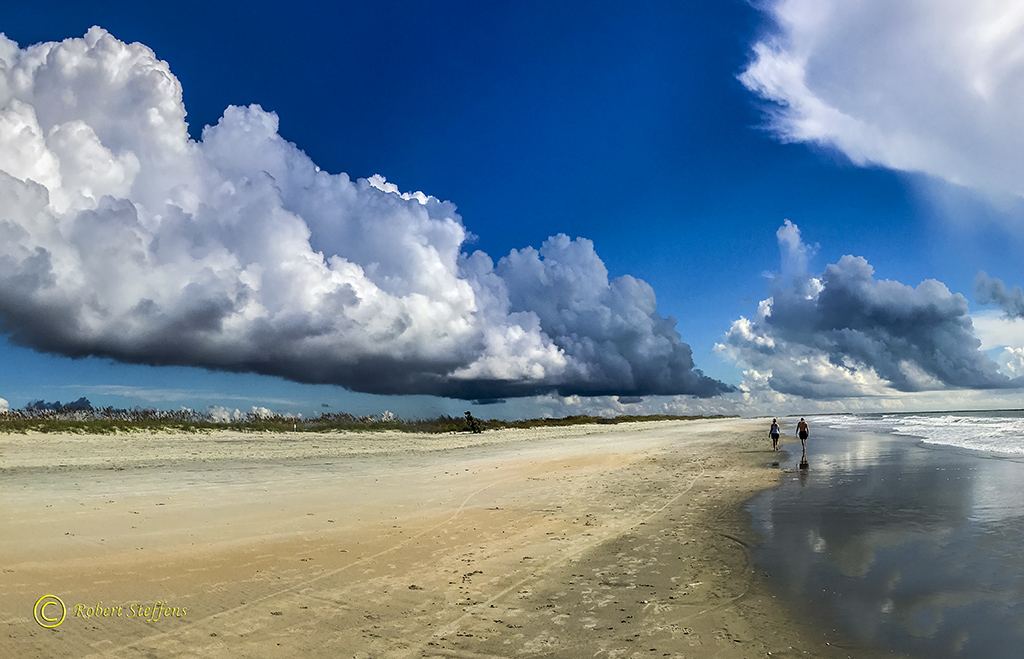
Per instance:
{"type": "Point", "coordinates": [802, 432]}
{"type": "Point", "coordinates": [774, 434]}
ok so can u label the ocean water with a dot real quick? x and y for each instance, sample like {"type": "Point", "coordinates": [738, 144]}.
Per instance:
{"type": "Point", "coordinates": [906, 532]}
{"type": "Point", "coordinates": [999, 433]}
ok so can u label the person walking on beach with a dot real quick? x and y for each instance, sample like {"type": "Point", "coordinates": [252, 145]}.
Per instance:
{"type": "Point", "coordinates": [774, 434]}
{"type": "Point", "coordinates": [802, 432]}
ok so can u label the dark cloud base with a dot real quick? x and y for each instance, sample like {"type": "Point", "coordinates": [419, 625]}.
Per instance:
{"type": "Point", "coordinates": [378, 376]}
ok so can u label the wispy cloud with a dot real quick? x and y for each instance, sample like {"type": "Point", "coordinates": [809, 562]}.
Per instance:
{"type": "Point", "coordinates": [122, 237]}
{"type": "Point", "coordinates": [158, 395]}
{"type": "Point", "coordinates": [932, 87]}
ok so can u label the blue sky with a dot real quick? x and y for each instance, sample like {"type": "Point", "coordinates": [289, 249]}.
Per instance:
{"type": "Point", "coordinates": [633, 128]}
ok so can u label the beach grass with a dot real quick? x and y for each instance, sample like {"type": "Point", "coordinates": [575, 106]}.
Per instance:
{"type": "Point", "coordinates": [116, 421]}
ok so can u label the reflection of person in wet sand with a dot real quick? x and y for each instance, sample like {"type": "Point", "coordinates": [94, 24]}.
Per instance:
{"type": "Point", "coordinates": [774, 434]}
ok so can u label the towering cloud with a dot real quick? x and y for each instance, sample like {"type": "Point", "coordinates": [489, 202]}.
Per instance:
{"type": "Point", "coordinates": [845, 333]}
{"type": "Point", "coordinates": [933, 87]}
{"type": "Point", "coordinates": [122, 237]}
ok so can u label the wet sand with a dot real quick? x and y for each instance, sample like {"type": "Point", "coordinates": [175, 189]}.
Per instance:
{"type": "Point", "coordinates": [590, 541]}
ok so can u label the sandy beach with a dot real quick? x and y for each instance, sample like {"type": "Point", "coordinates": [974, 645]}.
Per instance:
{"type": "Point", "coordinates": [611, 541]}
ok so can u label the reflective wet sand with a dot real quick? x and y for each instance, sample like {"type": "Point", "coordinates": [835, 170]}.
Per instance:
{"type": "Point", "coordinates": [901, 545]}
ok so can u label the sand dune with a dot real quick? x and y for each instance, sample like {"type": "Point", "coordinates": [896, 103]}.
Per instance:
{"type": "Point", "coordinates": [587, 541]}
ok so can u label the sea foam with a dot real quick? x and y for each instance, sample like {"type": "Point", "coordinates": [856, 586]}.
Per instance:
{"type": "Point", "coordinates": [999, 432]}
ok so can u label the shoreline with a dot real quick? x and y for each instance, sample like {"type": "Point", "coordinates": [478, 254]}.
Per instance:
{"type": "Point", "coordinates": [612, 541]}
{"type": "Point", "coordinates": [907, 544]}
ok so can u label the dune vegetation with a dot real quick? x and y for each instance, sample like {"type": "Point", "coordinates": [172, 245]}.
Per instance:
{"type": "Point", "coordinates": [85, 419]}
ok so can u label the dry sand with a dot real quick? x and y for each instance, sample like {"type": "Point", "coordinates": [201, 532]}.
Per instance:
{"type": "Point", "coordinates": [590, 541]}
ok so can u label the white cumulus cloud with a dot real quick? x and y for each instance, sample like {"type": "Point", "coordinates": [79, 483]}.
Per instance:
{"type": "Point", "coordinates": [916, 85]}
{"type": "Point", "coordinates": [122, 237]}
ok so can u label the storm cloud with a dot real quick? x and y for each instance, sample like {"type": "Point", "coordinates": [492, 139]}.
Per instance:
{"type": "Point", "coordinates": [122, 237]}
{"type": "Point", "coordinates": [846, 333]}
